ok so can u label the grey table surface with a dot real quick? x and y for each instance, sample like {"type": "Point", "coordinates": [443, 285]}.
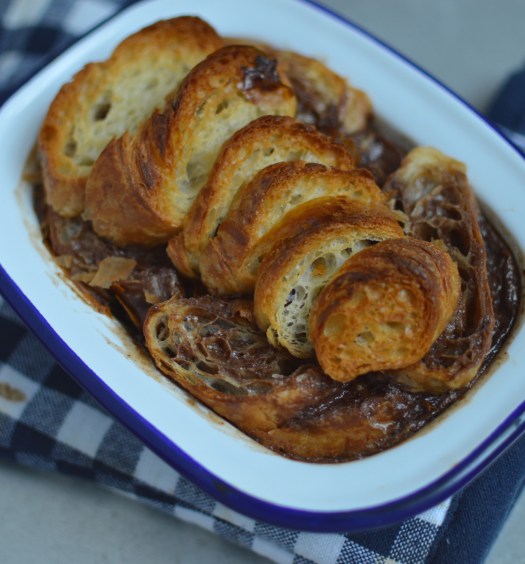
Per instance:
{"type": "Point", "coordinates": [470, 45]}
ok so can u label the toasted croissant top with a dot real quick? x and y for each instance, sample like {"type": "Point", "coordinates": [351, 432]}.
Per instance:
{"type": "Point", "coordinates": [433, 190]}
{"type": "Point", "coordinates": [384, 308]}
{"type": "Point", "coordinates": [303, 251]}
{"type": "Point", "coordinates": [142, 185]}
{"type": "Point", "coordinates": [265, 141]}
{"type": "Point", "coordinates": [107, 98]}
{"type": "Point", "coordinates": [230, 261]}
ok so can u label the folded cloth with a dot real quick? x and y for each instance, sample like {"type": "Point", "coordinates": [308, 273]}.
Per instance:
{"type": "Point", "coordinates": [47, 421]}
{"type": "Point", "coordinates": [507, 110]}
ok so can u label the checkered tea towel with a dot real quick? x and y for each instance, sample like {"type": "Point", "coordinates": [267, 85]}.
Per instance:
{"type": "Point", "coordinates": [47, 421]}
{"type": "Point", "coordinates": [508, 108]}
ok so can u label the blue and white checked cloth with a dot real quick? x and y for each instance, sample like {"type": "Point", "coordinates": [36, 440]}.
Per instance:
{"type": "Point", "coordinates": [47, 421]}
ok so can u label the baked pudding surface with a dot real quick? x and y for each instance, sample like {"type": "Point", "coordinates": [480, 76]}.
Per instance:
{"type": "Point", "coordinates": [288, 404]}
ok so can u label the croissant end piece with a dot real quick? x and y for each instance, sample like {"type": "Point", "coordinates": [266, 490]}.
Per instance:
{"type": "Point", "coordinates": [106, 99]}
{"type": "Point", "coordinates": [304, 251]}
{"type": "Point", "coordinates": [213, 349]}
{"type": "Point", "coordinates": [433, 190]}
{"type": "Point", "coordinates": [384, 308]}
{"type": "Point", "coordinates": [143, 185]}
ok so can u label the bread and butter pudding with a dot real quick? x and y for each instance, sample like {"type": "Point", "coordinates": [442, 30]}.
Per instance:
{"type": "Point", "coordinates": [322, 286]}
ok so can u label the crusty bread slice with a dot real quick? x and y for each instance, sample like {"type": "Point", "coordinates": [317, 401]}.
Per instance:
{"type": "Point", "coordinates": [231, 259]}
{"type": "Point", "coordinates": [142, 185]}
{"type": "Point", "coordinates": [384, 308]}
{"type": "Point", "coordinates": [266, 141]}
{"type": "Point", "coordinates": [307, 247]}
{"type": "Point", "coordinates": [325, 99]}
{"type": "Point", "coordinates": [105, 99]}
{"type": "Point", "coordinates": [433, 190]}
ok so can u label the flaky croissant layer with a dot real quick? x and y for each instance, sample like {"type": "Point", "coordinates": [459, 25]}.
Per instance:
{"type": "Point", "coordinates": [309, 246]}
{"type": "Point", "coordinates": [143, 185]}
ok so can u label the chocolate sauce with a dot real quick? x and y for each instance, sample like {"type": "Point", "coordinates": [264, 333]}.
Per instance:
{"type": "Point", "coordinates": [262, 76]}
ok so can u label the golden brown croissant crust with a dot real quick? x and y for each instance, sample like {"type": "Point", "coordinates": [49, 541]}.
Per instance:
{"type": "Point", "coordinates": [302, 252]}
{"type": "Point", "coordinates": [263, 142]}
{"type": "Point", "coordinates": [231, 259]}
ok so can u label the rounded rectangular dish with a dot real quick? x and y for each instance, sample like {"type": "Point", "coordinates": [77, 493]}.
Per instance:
{"type": "Point", "coordinates": [375, 491]}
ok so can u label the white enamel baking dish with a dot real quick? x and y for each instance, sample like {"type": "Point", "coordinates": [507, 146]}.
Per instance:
{"type": "Point", "coordinates": [376, 491]}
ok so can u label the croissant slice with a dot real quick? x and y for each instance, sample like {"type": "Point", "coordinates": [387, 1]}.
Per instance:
{"type": "Point", "coordinates": [325, 99]}
{"type": "Point", "coordinates": [213, 349]}
{"type": "Point", "coordinates": [231, 259]}
{"type": "Point", "coordinates": [142, 185]}
{"type": "Point", "coordinates": [305, 249]}
{"type": "Point", "coordinates": [434, 192]}
{"type": "Point", "coordinates": [264, 142]}
{"type": "Point", "coordinates": [384, 308]}
{"type": "Point", "coordinates": [106, 99]}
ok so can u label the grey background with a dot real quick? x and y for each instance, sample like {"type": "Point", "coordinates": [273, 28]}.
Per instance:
{"type": "Point", "coordinates": [470, 45]}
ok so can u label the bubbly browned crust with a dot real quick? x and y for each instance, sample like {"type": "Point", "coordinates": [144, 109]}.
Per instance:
{"type": "Point", "coordinates": [264, 142]}
{"type": "Point", "coordinates": [167, 162]}
{"type": "Point", "coordinates": [302, 253]}
{"type": "Point", "coordinates": [434, 192]}
{"type": "Point", "coordinates": [213, 349]}
{"type": "Point", "coordinates": [230, 261]}
{"type": "Point", "coordinates": [384, 308]}
{"type": "Point", "coordinates": [196, 343]}
{"type": "Point", "coordinates": [105, 99]}
{"type": "Point", "coordinates": [325, 98]}
{"type": "Point", "coordinates": [253, 390]}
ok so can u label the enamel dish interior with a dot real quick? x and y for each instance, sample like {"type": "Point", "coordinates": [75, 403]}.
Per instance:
{"type": "Point", "coordinates": [380, 489]}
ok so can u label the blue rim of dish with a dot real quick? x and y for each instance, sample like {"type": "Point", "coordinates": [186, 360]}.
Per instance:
{"type": "Point", "coordinates": [337, 521]}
